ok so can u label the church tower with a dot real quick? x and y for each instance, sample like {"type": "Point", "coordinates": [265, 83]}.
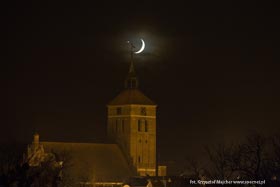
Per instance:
{"type": "Point", "coordinates": [132, 125]}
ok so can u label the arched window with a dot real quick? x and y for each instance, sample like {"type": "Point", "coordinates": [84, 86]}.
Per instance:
{"type": "Point", "coordinates": [123, 125]}
{"type": "Point", "coordinates": [139, 125]}
{"type": "Point", "coordinates": [146, 126]}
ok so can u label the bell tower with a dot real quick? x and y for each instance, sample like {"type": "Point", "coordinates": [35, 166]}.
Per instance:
{"type": "Point", "coordinates": [132, 125]}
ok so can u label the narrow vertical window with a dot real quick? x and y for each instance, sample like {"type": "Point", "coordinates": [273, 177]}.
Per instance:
{"type": "Point", "coordinates": [133, 84]}
{"type": "Point", "coordinates": [139, 125]}
{"type": "Point", "coordinates": [119, 111]}
{"type": "Point", "coordinates": [146, 126]}
{"type": "Point", "coordinates": [139, 159]}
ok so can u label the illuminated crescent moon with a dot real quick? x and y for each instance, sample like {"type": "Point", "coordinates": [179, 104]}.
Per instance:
{"type": "Point", "coordinates": [142, 47]}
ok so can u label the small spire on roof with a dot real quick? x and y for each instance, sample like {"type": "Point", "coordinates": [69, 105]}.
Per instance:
{"type": "Point", "coordinates": [131, 80]}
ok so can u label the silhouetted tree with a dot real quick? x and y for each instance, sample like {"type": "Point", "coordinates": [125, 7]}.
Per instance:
{"type": "Point", "coordinates": [10, 163]}
{"type": "Point", "coordinates": [256, 158]}
{"type": "Point", "coordinates": [276, 148]}
{"type": "Point", "coordinates": [15, 170]}
{"type": "Point", "coordinates": [65, 160]}
{"type": "Point", "coordinates": [193, 168]}
{"type": "Point", "coordinates": [219, 166]}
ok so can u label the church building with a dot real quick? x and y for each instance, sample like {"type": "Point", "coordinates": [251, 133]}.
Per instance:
{"type": "Point", "coordinates": [131, 127]}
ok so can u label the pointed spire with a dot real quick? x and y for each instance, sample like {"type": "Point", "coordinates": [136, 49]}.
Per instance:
{"type": "Point", "coordinates": [131, 79]}
{"type": "Point", "coordinates": [131, 68]}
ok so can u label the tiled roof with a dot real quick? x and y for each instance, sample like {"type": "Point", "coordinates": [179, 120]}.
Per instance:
{"type": "Point", "coordinates": [91, 161]}
{"type": "Point", "coordinates": [131, 96]}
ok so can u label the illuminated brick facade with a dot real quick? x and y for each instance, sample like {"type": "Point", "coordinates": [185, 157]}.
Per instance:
{"type": "Point", "coordinates": [132, 125]}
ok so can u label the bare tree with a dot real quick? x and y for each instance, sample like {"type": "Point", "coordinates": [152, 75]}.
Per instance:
{"type": "Point", "coordinates": [193, 168]}
{"type": "Point", "coordinates": [10, 163]}
{"type": "Point", "coordinates": [65, 159]}
{"type": "Point", "coordinates": [253, 157]}
{"type": "Point", "coordinates": [219, 162]}
{"type": "Point", "coordinates": [276, 148]}
{"type": "Point", "coordinates": [257, 158]}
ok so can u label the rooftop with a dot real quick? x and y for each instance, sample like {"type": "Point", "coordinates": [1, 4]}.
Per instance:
{"type": "Point", "coordinates": [91, 161]}
{"type": "Point", "coordinates": [131, 96]}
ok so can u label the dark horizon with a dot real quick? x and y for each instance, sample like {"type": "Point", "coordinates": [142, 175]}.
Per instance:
{"type": "Point", "coordinates": [212, 68]}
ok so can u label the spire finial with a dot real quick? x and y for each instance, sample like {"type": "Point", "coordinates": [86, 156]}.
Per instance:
{"type": "Point", "coordinates": [131, 80]}
{"type": "Point", "coordinates": [131, 68]}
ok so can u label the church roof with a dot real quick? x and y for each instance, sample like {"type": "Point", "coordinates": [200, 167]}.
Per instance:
{"type": "Point", "coordinates": [91, 161]}
{"type": "Point", "coordinates": [131, 96]}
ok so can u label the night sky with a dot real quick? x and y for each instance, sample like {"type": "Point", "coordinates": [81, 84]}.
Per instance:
{"type": "Point", "coordinates": [212, 68]}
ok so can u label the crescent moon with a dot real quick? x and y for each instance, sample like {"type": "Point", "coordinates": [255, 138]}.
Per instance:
{"type": "Point", "coordinates": [142, 47]}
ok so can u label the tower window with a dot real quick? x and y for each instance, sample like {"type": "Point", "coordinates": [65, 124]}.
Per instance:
{"type": "Point", "coordinates": [122, 125]}
{"type": "Point", "coordinates": [139, 125]}
{"type": "Point", "coordinates": [146, 126]}
{"type": "Point", "coordinates": [119, 111]}
{"type": "Point", "coordinates": [133, 84]}
{"type": "Point", "coordinates": [143, 111]}
{"type": "Point", "coordinates": [139, 159]}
